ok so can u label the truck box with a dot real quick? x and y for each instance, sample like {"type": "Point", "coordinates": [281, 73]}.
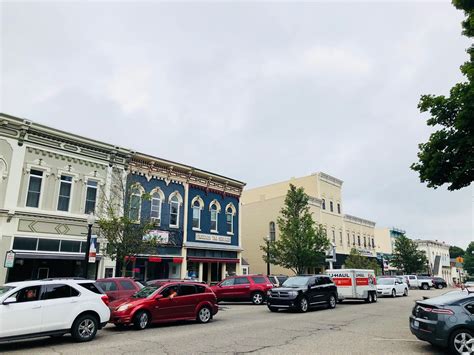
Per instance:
{"type": "Point", "coordinates": [356, 284]}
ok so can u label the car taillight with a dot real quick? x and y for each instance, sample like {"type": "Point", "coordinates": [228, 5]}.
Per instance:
{"type": "Point", "coordinates": [442, 311]}
{"type": "Point", "coordinates": [105, 299]}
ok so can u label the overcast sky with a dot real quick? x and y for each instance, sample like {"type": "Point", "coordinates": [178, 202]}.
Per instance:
{"type": "Point", "coordinates": [259, 92]}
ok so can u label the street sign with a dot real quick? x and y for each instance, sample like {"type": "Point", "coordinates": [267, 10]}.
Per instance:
{"type": "Point", "coordinates": [9, 259]}
{"type": "Point", "coordinates": [93, 249]}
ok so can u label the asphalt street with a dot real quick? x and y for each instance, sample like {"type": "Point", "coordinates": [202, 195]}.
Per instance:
{"type": "Point", "coordinates": [352, 327]}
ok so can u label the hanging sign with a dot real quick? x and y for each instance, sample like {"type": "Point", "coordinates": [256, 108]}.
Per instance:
{"type": "Point", "coordinates": [93, 249]}
{"type": "Point", "coordinates": [9, 259]}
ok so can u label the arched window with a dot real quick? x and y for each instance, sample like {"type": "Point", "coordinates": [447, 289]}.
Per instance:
{"type": "Point", "coordinates": [214, 208]}
{"type": "Point", "coordinates": [229, 215]}
{"type": "Point", "coordinates": [197, 205]}
{"type": "Point", "coordinates": [272, 232]}
{"type": "Point", "coordinates": [135, 203]}
{"type": "Point", "coordinates": [365, 242]}
{"type": "Point", "coordinates": [175, 201]}
{"type": "Point", "coordinates": [358, 240]}
{"type": "Point", "coordinates": [156, 202]}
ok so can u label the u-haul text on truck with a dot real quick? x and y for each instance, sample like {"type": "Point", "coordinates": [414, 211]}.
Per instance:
{"type": "Point", "coordinates": [356, 284]}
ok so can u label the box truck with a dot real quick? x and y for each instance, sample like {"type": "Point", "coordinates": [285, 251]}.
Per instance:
{"type": "Point", "coordinates": [354, 284]}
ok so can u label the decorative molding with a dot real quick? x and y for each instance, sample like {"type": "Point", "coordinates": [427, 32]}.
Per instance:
{"type": "Point", "coordinates": [330, 179]}
{"type": "Point", "coordinates": [358, 220]}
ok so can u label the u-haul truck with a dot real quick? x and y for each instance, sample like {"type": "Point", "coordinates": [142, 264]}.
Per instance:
{"type": "Point", "coordinates": [354, 284]}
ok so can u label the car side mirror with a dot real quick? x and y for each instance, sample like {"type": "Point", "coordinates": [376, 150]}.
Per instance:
{"type": "Point", "coordinates": [9, 300]}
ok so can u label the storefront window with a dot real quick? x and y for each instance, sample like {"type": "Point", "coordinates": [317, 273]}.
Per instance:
{"type": "Point", "coordinates": [25, 243]}
{"type": "Point", "coordinates": [70, 246]}
{"type": "Point", "coordinates": [48, 244]}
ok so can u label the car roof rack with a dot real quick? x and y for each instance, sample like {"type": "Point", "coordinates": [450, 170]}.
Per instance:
{"type": "Point", "coordinates": [63, 278]}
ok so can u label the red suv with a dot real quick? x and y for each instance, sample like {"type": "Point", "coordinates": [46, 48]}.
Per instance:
{"type": "Point", "coordinates": [118, 287]}
{"type": "Point", "coordinates": [171, 301]}
{"type": "Point", "coordinates": [243, 288]}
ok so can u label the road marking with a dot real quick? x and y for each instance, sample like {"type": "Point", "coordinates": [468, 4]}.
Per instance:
{"type": "Point", "coordinates": [390, 339]}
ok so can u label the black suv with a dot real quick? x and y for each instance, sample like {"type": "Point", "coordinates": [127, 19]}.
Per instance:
{"type": "Point", "coordinates": [302, 292]}
{"type": "Point", "coordinates": [439, 282]}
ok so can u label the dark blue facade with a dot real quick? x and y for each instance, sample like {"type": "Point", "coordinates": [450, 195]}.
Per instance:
{"type": "Point", "coordinates": [205, 227]}
{"type": "Point", "coordinates": [176, 234]}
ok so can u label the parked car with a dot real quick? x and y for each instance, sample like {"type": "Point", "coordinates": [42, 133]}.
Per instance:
{"type": "Point", "coordinates": [277, 280]}
{"type": "Point", "coordinates": [421, 282]}
{"type": "Point", "coordinates": [41, 308]}
{"type": "Point", "coordinates": [119, 287]}
{"type": "Point", "coordinates": [172, 301]}
{"type": "Point", "coordinates": [354, 284]}
{"type": "Point", "coordinates": [439, 282]}
{"type": "Point", "coordinates": [446, 321]}
{"type": "Point", "coordinates": [243, 288]}
{"type": "Point", "coordinates": [303, 292]}
{"type": "Point", "coordinates": [391, 286]}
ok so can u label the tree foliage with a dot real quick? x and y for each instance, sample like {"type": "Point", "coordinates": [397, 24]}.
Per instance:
{"type": "Point", "coordinates": [301, 244]}
{"type": "Point", "coordinates": [469, 260]}
{"type": "Point", "coordinates": [455, 251]}
{"type": "Point", "coordinates": [124, 236]}
{"type": "Point", "coordinates": [447, 156]}
{"type": "Point", "coordinates": [357, 261]}
{"type": "Point", "coordinates": [407, 257]}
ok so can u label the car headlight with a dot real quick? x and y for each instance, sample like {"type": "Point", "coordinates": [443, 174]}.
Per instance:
{"type": "Point", "coordinates": [293, 293]}
{"type": "Point", "coordinates": [122, 308]}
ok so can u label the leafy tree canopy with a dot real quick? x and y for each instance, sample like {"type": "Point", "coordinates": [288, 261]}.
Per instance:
{"type": "Point", "coordinates": [469, 260]}
{"type": "Point", "coordinates": [357, 261]}
{"type": "Point", "coordinates": [301, 243]}
{"type": "Point", "coordinates": [455, 251]}
{"type": "Point", "coordinates": [447, 156]}
{"type": "Point", "coordinates": [407, 257]}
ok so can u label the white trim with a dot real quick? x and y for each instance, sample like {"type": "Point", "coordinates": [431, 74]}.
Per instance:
{"type": "Point", "coordinates": [43, 182]}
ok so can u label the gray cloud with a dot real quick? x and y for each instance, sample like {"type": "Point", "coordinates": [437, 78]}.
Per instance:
{"type": "Point", "coordinates": [257, 91]}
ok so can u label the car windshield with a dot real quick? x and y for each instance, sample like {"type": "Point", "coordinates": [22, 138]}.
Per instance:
{"type": "Point", "coordinates": [5, 289]}
{"type": "Point", "coordinates": [296, 281]}
{"type": "Point", "coordinates": [385, 281]}
{"type": "Point", "coordinates": [145, 292]}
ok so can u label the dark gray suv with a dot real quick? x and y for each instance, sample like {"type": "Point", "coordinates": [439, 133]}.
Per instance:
{"type": "Point", "coordinates": [303, 292]}
{"type": "Point", "coordinates": [446, 321]}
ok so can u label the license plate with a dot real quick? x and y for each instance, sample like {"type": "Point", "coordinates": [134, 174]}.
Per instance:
{"type": "Point", "coordinates": [416, 324]}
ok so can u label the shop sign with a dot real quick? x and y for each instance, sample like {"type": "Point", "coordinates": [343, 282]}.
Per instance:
{"type": "Point", "coordinates": [213, 238]}
{"type": "Point", "coordinates": [9, 259]}
{"type": "Point", "coordinates": [161, 237]}
{"type": "Point", "coordinates": [93, 249]}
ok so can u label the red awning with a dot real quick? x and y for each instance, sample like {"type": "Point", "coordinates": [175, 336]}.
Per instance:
{"type": "Point", "coordinates": [131, 258]}
{"type": "Point", "coordinates": [213, 260]}
{"type": "Point", "coordinates": [178, 260]}
{"type": "Point", "coordinates": [154, 259]}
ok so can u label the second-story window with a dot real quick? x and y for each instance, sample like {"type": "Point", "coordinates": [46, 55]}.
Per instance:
{"type": "Point", "coordinates": [155, 209]}
{"type": "Point", "coordinates": [365, 242]}
{"type": "Point", "coordinates": [324, 204]}
{"type": "Point", "coordinates": [174, 211]}
{"type": "Point", "coordinates": [358, 240]}
{"type": "Point", "coordinates": [34, 188]}
{"type": "Point", "coordinates": [91, 196]}
{"type": "Point", "coordinates": [353, 239]}
{"type": "Point", "coordinates": [373, 243]}
{"type": "Point", "coordinates": [348, 239]}
{"type": "Point", "coordinates": [331, 206]}
{"type": "Point", "coordinates": [214, 218]}
{"type": "Point", "coordinates": [272, 232]}
{"type": "Point", "coordinates": [333, 236]}
{"type": "Point", "coordinates": [65, 187]}
{"type": "Point", "coordinates": [340, 238]}
{"type": "Point", "coordinates": [229, 214]}
{"type": "Point", "coordinates": [196, 215]}
{"type": "Point", "coordinates": [339, 208]}
{"type": "Point", "coordinates": [135, 204]}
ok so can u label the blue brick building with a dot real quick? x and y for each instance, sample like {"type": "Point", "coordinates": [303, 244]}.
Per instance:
{"type": "Point", "coordinates": [197, 219]}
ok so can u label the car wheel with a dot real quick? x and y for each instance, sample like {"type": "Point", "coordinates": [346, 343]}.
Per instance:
{"type": "Point", "coordinates": [257, 298]}
{"type": "Point", "coordinates": [141, 319]}
{"type": "Point", "coordinates": [204, 315]}
{"type": "Point", "coordinates": [303, 305]}
{"type": "Point", "coordinates": [425, 287]}
{"type": "Point", "coordinates": [440, 286]}
{"type": "Point", "coordinates": [394, 293]}
{"type": "Point", "coordinates": [84, 328]}
{"type": "Point", "coordinates": [368, 299]}
{"type": "Point", "coordinates": [462, 342]}
{"type": "Point", "coordinates": [374, 297]}
{"type": "Point", "coordinates": [405, 293]}
{"type": "Point", "coordinates": [332, 302]}
{"type": "Point", "coordinates": [273, 309]}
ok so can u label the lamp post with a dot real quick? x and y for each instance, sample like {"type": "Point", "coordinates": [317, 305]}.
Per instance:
{"type": "Point", "coordinates": [268, 254]}
{"type": "Point", "coordinates": [90, 223]}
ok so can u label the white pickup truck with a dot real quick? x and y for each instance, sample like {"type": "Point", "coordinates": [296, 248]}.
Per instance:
{"type": "Point", "coordinates": [422, 282]}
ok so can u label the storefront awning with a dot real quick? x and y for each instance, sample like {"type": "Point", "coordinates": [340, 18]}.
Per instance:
{"type": "Point", "coordinates": [58, 256]}
{"type": "Point", "coordinates": [213, 260]}
{"type": "Point", "coordinates": [159, 259]}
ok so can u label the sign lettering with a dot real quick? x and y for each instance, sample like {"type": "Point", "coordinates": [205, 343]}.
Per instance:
{"type": "Point", "coordinates": [213, 238]}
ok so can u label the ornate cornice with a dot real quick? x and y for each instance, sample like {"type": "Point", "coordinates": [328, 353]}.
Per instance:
{"type": "Point", "coordinates": [330, 179]}
{"type": "Point", "coordinates": [358, 220]}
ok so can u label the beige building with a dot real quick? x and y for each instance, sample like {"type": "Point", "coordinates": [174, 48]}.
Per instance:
{"type": "Point", "coordinates": [261, 207]}
{"type": "Point", "coordinates": [49, 181]}
{"type": "Point", "coordinates": [438, 258]}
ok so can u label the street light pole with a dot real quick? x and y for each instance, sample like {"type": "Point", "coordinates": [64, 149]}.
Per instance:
{"type": "Point", "coordinates": [268, 254]}
{"type": "Point", "coordinates": [90, 222]}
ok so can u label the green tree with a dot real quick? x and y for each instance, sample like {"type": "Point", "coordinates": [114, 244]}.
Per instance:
{"type": "Point", "coordinates": [125, 236]}
{"type": "Point", "coordinates": [357, 261]}
{"type": "Point", "coordinates": [469, 260]}
{"type": "Point", "coordinates": [455, 251]}
{"type": "Point", "coordinates": [407, 257]}
{"type": "Point", "coordinates": [447, 156]}
{"type": "Point", "coordinates": [301, 244]}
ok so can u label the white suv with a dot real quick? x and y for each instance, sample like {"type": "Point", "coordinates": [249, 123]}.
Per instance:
{"type": "Point", "coordinates": [39, 308]}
